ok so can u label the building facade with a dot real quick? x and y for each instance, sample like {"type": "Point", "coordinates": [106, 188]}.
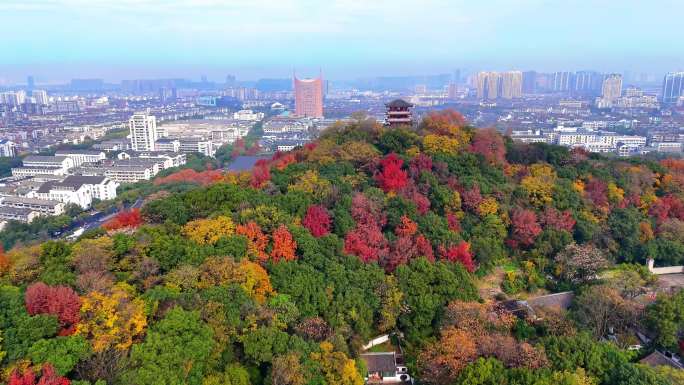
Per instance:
{"type": "Point", "coordinates": [673, 87]}
{"type": "Point", "coordinates": [144, 132]}
{"type": "Point", "coordinates": [309, 97]}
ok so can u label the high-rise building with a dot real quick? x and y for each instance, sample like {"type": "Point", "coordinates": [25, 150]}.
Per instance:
{"type": "Point", "coordinates": [308, 97]}
{"type": "Point", "coordinates": [30, 83]}
{"type": "Point", "coordinates": [562, 81]}
{"type": "Point", "coordinates": [41, 97]}
{"type": "Point", "coordinates": [143, 129]}
{"type": "Point", "coordinates": [673, 87]}
{"type": "Point", "coordinates": [612, 88]}
{"type": "Point", "coordinates": [488, 85]}
{"type": "Point", "coordinates": [511, 84]}
{"type": "Point", "coordinates": [529, 82]}
{"type": "Point", "coordinates": [587, 83]}
{"type": "Point", "coordinates": [452, 91]}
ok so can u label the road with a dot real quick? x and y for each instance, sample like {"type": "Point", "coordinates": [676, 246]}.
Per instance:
{"type": "Point", "coordinates": [96, 220]}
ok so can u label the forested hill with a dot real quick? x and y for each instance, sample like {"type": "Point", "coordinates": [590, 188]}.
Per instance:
{"type": "Point", "coordinates": [279, 276]}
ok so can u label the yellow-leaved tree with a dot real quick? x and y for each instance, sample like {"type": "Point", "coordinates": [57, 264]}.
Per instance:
{"type": "Point", "coordinates": [539, 184]}
{"type": "Point", "coordinates": [112, 320]}
{"type": "Point", "coordinates": [209, 231]}
{"type": "Point", "coordinates": [336, 367]}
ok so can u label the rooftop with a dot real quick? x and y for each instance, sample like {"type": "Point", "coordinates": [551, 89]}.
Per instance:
{"type": "Point", "coordinates": [44, 158]}
{"type": "Point", "coordinates": [80, 152]}
{"type": "Point", "coordinates": [380, 362]}
{"type": "Point", "coordinates": [399, 103]}
{"type": "Point", "coordinates": [31, 201]}
{"type": "Point", "coordinates": [659, 359]}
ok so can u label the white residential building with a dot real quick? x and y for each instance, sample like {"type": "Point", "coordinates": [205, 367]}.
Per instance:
{"type": "Point", "coordinates": [83, 156]}
{"type": "Point", "coordinates": [144, 132]}
{"type": "Point", "coordinates": [41, 97]}
{"type": "Point", "coordinates": [248, 115]}
{"type": "Point", "coordinates": [167, 145]}
{"type": "Point", "coordinates": [47, 207]}
{"type": "Point", "coordinates": [7, 148]}
{"type": "Point", "coordinates": [197, 144]}
{"type": "Point", "coordinates": [17, 214]}
{"type": "Point", "coordinates": [132, 173]}
{"type": "Point", "coordinates": [35, 165]}
{"type": "Point", "coordinates": [78, 189]}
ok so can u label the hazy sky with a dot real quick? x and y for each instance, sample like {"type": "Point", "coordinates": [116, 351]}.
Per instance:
{"type": "Point", "coordinates": [56, 40]}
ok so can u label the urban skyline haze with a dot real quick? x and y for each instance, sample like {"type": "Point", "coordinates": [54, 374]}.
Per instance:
{"type": "Point", "coordinates": [56, 40]}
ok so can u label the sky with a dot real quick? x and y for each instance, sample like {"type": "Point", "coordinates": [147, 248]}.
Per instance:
{"type": "Point", "coordinates": [56, 40]}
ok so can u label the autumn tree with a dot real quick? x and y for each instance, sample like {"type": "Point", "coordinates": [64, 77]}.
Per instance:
{"type": "Point", "coordinates": [287, 370]}
{"type": "Point", "coordinates": [261, 173]}
{"type": "Point", "coordinates": [458, 253]}
{"type": "Point", "coordinates": [209, 231]}
{"type": "Point", "coordinates": [317, 221]}
{"type": "Point", "coordinates": [48, 377]}
{"type": "Point", "coordinates": [489, 143]}
{"type": "Point", "coordinates": [408, 245]}
{"type": "Point", "coordinates": [283, 245]}
{"type": "Point", "coordinates": [112, 320]}
{"type": "Point", "coordinates": [124, 219]}
{"type": "Point", "coordinates": [256, 240]}
{"type": "Point", "coordinates": [597, 192]}
{"type": "Point", "coordinates": [336, 367]}
{"type": "Point", "coordinates": [525, 227]}
{"type": "Point", "coordinates": [539, 184]}
{"type": "Point", "coordinates": [391, 177]}
{"type": "Point", "coordinates": [60, 301]}
{"type": "Point", "coordinates": [559, 220]}
{"type": "Point", "coordinates": [440, 362]}
{"type": "Point", "coordinates": [366, 240]}
{"type": "Point", "coordinates": [188, 175]}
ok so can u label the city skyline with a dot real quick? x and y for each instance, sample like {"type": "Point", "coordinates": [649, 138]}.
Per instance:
{"type": "Point", "coordinates": [132, 39]}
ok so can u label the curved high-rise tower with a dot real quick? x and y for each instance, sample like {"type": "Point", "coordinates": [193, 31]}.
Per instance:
{"type": "Point", "coordinates": [308, 97]}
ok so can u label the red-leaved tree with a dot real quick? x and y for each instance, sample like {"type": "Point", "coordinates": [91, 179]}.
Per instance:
{"type": "Point", "coordinates": [525, 227]}
{"type": "Point", "coordinates": [419, 164]}
{"type": "Point", "coordinates": [558, 220]}
{"type": "Point", "coordinates": [366, 240]}
{"type": "Point", "coordinates": [459, 253]}
{"type": "Point", "coordinates": [489, 143]}
{"type": "Point", "coordinates": [60, 301]}
{"type": "Point", "coordinates": [317, 220]}
{"type": "Point", "coordinates": [283, 245]}
{"type": "Point", "coordinates": [49, 377]}
{"type": "Point", "coordinates": [126, 218]}
{"type": "Point", "coordinates": [408, 245]}
{"type": "Point", "coordinates": [597, 191]}
{"type": "Point", "coordinates": [666, 207]}
{"type": "Point", "coordinates": [261, 173]}
{"type": "Point", "coordinates": [202, 178]}
{"type": "Point", "coordinates": [392, 177]}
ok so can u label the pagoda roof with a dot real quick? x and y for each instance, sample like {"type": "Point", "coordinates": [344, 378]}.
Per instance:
{"type": "Point", "coordinates": [399, 103]}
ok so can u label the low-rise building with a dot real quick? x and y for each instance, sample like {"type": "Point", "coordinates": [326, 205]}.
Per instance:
{"type": "Point", "coordinates": [42, 206]}
{"type": "Point", "coordinates": [167, 145]}
{"type": "Point", "coordinates": [198, 145]}
{"type": "Point", "coordinates": [82, 156]}
{"type": "Point", "coordinates": [37, 171]}
{"type": "Point", "coordinates": [17, 214]}
{"type": "Point", "coordinates": [113, 145]}
{"type": "Point", "coordinates": [248, 115]}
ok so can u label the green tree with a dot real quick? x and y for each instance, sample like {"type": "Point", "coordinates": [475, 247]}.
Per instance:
{"type": "Point", "coordinates": [62, 352]}
{"type": "Point", "coordinates": [176, 351]}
